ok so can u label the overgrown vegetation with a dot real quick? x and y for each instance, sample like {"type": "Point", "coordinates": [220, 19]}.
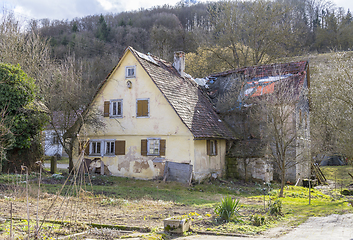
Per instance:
{"type": "Point", "coordinates": [228, 209]}
{"type": "Point", "coordinates": [107, 200]}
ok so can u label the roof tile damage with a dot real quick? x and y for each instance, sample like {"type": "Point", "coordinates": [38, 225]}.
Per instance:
{"type": "Point", "coordinates": [256, 80]}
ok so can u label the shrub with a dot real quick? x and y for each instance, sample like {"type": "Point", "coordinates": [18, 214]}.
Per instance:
{"type": "Point", "coordinates": [228, 209]}
{"type": "Point", "coordinates": [258, 220]}
{"type": "Point", "coordinates": [346, 192]}
{"type": "Point", "coordinates": [276, 208]}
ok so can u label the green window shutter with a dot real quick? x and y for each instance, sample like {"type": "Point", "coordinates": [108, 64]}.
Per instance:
{"type": "Point", "coordinates": [106, 108]}
{"type": "Point", "coordinates": [144, 147]}
{"type": "Point", "coordinates": [162, 147]}
{"type": "Point", "coordinates": [119, 147]}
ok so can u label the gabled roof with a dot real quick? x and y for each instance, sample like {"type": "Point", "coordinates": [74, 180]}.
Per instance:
{"type": "Point", "coordinates": [185, 97]}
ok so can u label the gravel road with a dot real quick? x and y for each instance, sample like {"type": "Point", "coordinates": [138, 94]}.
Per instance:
{"type": "Point", "coordinates": [333, 227]}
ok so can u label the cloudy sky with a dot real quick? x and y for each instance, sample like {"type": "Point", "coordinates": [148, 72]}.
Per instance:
{"type": "Point", "coordinates": [69, 9]}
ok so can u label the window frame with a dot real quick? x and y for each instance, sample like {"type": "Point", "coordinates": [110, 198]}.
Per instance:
{"type": "Point", "coordinates": [148, 107]}
{"type": "Point", "coordinates": [148, 146]}
{"type": "Point", "coordinates": [118, 101]}
{"type": "Point", "coordinates": [55, 140]}
{"type": "Point", "coordinates": [111, 141]}
{"type": "Point", "coordinates": [91, 143]}
{"type": "Point", "coordinates": [127, 68]}
{"type": "Point", "coordinates": [212, 146]}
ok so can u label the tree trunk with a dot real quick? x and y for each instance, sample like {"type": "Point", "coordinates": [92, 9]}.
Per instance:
{"type": "Point", "coordinates": [282, 182]}
{"type": "Point", "coordinates": [70, 153]}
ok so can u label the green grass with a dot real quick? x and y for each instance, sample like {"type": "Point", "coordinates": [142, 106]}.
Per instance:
{"type": "Point", "coordinates": [338, 174]}
{"type": "Point", "coordinates": [131, 189]}
{"type": "Point", "coordinates": [62, 160]}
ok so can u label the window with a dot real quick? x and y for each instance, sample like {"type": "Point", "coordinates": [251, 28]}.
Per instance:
{"type": "Point", "coordinates": [116, 108]}
{"type": "Point", "coordinates": [130, 72]}
{"type": "Point", "coordinates": [142, 107]}
{"type": "Point", "coordinates": [113, 108]}
{"type": "Point", "coordinates": [95, 148]}
{"type": "Point", "coordinates": [153, 147]}
{"type": "Point", "coordinates": [55, 140]}
{"type": "Point", "coordinates": [212, 147]}
{"type": "Point", "coordinates": [106, 148]}
{"type": "Point", "coordinates": [109, 148]}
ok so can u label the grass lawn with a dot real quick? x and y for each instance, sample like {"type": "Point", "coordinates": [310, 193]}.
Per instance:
{"type": "Point", "coordinates": [338, 174]}
{"type": "Point", "coordinates": [62, 160]}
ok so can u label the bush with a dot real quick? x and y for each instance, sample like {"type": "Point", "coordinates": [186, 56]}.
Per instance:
{"type": "Point", "coordinates": [347, 192]}
{"type": "Point", "coordinates": [228, 209]}
{"type": "Point", "coordinates": [276, 208]}
{"type": "Point", "coordinates": [258, 220]}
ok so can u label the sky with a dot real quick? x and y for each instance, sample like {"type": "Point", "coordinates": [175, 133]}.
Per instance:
{"type": "Point", "coordinates": [70, 9]}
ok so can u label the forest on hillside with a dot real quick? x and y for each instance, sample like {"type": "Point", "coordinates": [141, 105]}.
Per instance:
{"type": "Point", "coordinates": [239, 33]}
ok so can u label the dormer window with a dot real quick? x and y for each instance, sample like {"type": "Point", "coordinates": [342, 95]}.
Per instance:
{"type": "Point", "coordinates": [130, 71]}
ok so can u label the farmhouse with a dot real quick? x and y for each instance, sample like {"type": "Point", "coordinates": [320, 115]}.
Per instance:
{"type": "Point", "coordinates": [157, 120]}
{"type": "Point", "coordinates": [238, 94]}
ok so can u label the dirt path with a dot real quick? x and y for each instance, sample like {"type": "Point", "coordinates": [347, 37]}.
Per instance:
{"type": "Point", "coordinates": [333, 227]}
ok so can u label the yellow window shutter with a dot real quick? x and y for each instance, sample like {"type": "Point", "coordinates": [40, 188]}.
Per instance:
{"type": "Point", "coordinates": [144, 147]}
{"type": "Point", "coordinates": [119, 147]}
{"type": "Point", "coordinates": [106, 108]}
{"type": "Point", "coordinates": [162, 147]}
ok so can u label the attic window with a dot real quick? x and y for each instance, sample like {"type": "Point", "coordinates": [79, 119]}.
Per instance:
{"type": "Point", "coordinates": [130, 72]}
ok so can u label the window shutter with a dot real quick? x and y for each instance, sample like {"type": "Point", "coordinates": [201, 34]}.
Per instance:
{"type": "Point", "coordinates": [208, 144]}
{"type": "Point", "coordinates": [216, 147]}
{"type": "Point", "coordinates": [145, 108]}
{"type": "Point", "coordinates": [119, 147]}
{"type": "Point", "coordinates": [144, 147]}
{"type": "Point", "coordinates": [162, 146]}
{"type": "Point", "coordinates": [139, 108]}
{"type": "Point", "coordinates": [142, 108]}
{"type": "Point", "coordinates": [87, 148]}
{"type": "Point", "coordinates": [106, 108]}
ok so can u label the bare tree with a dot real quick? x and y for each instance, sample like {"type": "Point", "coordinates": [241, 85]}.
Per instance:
{"type": "Point", "coordinates": [281, 114]}
{"type": "Point", "coordinates": [333, 104]}
{"type": "Point", "coordinates": [255, 32]}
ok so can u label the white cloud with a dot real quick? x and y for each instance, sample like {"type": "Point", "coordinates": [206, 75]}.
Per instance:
{"type": "Point", "coordinates": [106, 4]}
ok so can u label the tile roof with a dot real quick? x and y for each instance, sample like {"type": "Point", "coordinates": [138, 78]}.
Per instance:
{"type": "Point", "coordinates": [261, 80]}
{"type": "Point", "coordinates": [189, 102]}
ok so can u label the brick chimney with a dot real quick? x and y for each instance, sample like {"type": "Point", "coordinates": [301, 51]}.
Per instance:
{"type": "Point", "coordinates": [179, 62]}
